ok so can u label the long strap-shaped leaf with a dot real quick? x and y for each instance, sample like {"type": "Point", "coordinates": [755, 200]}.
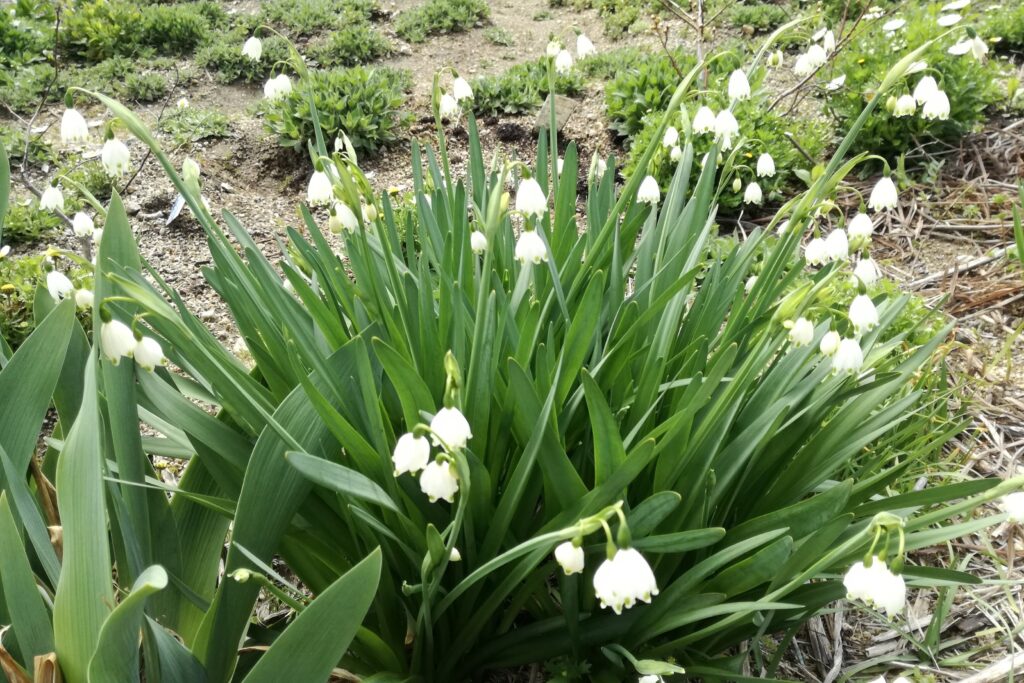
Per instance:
{"type": "Point", "coordinates": [117, 652]}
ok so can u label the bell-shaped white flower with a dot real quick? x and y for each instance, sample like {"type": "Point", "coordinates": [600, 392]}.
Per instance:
{"type": "Point", "coordinates": [936, 107]}
{"type": "Point", "coordinates": [947, 20]}
{"type": "Point", "coordinates": [553, 48]}
{"type": "Point", "coordinates": [836, 83]}
{"type": "Point", "coordinates": [320, 191]}
{"type": "Point", "coordinates": [828, 42]}
{"type": "Point", "coordinates": [115, 157]}
{"type": "Point", "coordinates": [867, 272]}
{"type": "Point", "coordinates": [906, 105]}
{"type": "Point", "coordinates": [776, 59]}
{"type": "Point", "coordinates": [97, 236]}
{"type": "Point", "coordinates": [83, 298]}
{"type": "Point", "coordinates": [571, 557]}
{"type": "Point", "coordinates": [253, 48]}
{"type": "Point", "coordinates": [563, 62]}
{"type": "Point", "coordinates": [412, 453]}
{"type": "Point", "coordinates": [877, 586]}
{"type": "Point", "coordinates": [975, 46]}
{"type": "Point", "coordinates": [369, 212]}
{"type": "Point", "coordinates": [73, 127]}
{"type": "Point", "coordinates": [601, 167]}
{"type": "Point", "coordinates": [530, 199]}
{"type": "Point", "coordinates": [749, 284]}
{"type": "Point", "coordinates": [863, 314]}
{"type": "Point", "coordinates": [860, 229]}
{"type": "Point", "coordinates": [848, 358]}
{"type": "Point", "coordinates": [623, 580]}
{"type": "Point", "coordinates": [883, 195]}
{"type": "Point", "coordinates": [810, 61]}
{"type": "Point", "coordinates": [584, 47]}
{"type": "Point", "coordinates": [802, 332]}
{"type": "Point", "coordinates": [837, 245]}
{"type": "Point", "coordinates": [753, 194]}
{"type": "Point", "coordinates": [530, 248]}
{"type": "Point", "coordinates": [182, 103]}
{"type": "Point", "coordinates": [58, 284]}
{"type": "Point", "coordinates": [116, 341]}
{"type": "Point", "coordinates": [450, 429]}
{"type": "Point", "coordinates": [829, 344]}
{"type": "Point", "coordinates": [765, 166]}
{"type": "Point", "coordinates": [739, 86]}
{"type": "Point", "coordinates": [5, 250]}
{"type": "Point", "coordinates": [671, 137]}
{"type": "Point", "coordinates": [448, 107]}
{"type": "Point", "coordinates": [894, 25]}
{"type": "Point", "coordinates": [149, 353]}
{"type": "Point", "coordinates": [461, 89]}
{"type": "Point", "coordinates": [726, 126]}
{"type": "Point", "coordinates": [277, 87]}
{"type": "Point", "coordinates": [1013, 506]}
{"type": "Point", "coordinates": [455, 555]}
{"type": "Point", "coordinates": [815, 252]}
{"type": "Point", "coordinates": [82, 225]}
{"type": "Point", "coordinates": [676, 153]}
{"type": "Point", "coordinates": [916, 67]}
{"type": "Point", "coordinates": [649, 192]}
{"type": "Point", "coordinates": [52, 199]}
{"type": "Point", "coordinates": [478, 242]}
{"type": "Point", "coordinates": [342, 218]}
{"type": "Point", "coordinates": [924, 89]}
{"type": "Point", "coordinates": [704, 120]}
{"type": "Point", "coordinates": [439, 481]}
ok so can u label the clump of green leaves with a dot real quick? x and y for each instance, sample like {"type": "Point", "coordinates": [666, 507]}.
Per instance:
{"type": "Point", "coordinates": [192, 124]}
{"type": "Point", "coordinates": [436, 17]}
{"type": "Point", "coordinates": [307, 17]}
{"type": "Point", "coordinates": [607, 64]}
{"type": "Point", "coordinates": [26, 223]}
{"type": "Point", "coordinates": [98, 29]}
{"type": "Point", "coordinates": [23, 37]}
{"type": "Point", "coordinates": [224, 57]}
{"type": "Point", "coordinates": [21, 277]}
{"type": "Point", "coordinates": [22, 88]}
{"type": "Point", "coordinates": [521, 88]}
{"type": "Point", "coordinates": [758, 16]}
{"type": "Point", "coordinates": [357, 42]}
{"type": "Point", "coordinates": [619, 16]}
{"type": "Point", "coordinates": [364, 103]}
{"type": "Point", "coordinates": [1006, 25]}
{"type": "Point", "coordinates": [646, 87]}
{"type": "Point", "coordinates": [13, 139]}
{"type": "Point", "coordinates": [497, 35]}
{"type": "Point", "coordinates": [173, 29]}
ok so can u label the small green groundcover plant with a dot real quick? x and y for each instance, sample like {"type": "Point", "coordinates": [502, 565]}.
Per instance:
{"type": "Point", "coordinates": [506, 432]}
{"type": "Point", "coordinates": [435, 17]}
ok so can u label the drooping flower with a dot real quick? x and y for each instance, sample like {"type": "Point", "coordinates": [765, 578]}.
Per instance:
{"type": "Point", "coordinates": [836, 83]}
{"type": "Point", "coordinates": [704, 120]}
{"type": "Point", "coordinates": [837, 245]}
{"type": "Point", "coordinates": [676, 153]}
{"type": "Point", "coordinates": [563, 62]}
{"type": "Point", "coordinates": [775, 59]}
{"type": "Point", "coordinates": [848, 357]}
{"type": "Point", "coordinates": [936, 107]}
{"type": "Point", "coordinates": [450, 429]}
{"type": "Point", "coordinates": [461, 89]}
{"type": "Point", "coordinates": [860, 229]}
{"type": "Point", "coordinates": [671, 137]}
{"type": "Point", "coordinates": [412, 453]}
{"type": "Point", "coordinates": [975, 46]}
{"type": "Point", "coordinates": [810, 61]}
{"type": "Point", "coordinates": [83, 298]}
{"type": "Point", "coordinates": [116, 341]}
{"type": "Point", "coordinates": [320, 191]}
{"type": "Point", "coordinates": [883, 195]}
{"type": "Point", "coordinates": [253, 48]}
{"type": "Point", "coordinates": [924, 89]}
{"type": "Point", "coordinates": [97, 236]}
{"type": "Point", "coordinates": [765, 166]}
{"type": "Point", "coordinates": [82, 225]}
{"type": "Point", "coordinates": [916, 67]}
{"type": "Point", "coordinates": [877, 586]}
{"type": "Point", "coordinates": [277, 87]}
{"type": "Point", "coordinates": [73, 127]}
{"type": "Point", "coordinates": [649, 192]}
{"type": "Point", "coordinates": [947, 20]}
{"type": "Point", "coordinates": [867, 272]}
{"type": "Point", "coordinates": [182, 103]}
{"type": "Point", "coordinates": [906, 105]}
{"type": "Point", "coordinates": [439, 481]}
{"type": "Point", "coordinates": [115, 157]}
{"type": "Point", "coordinates": [571, 557]}
{"type": "Point", "coordinates": [455, 555]}
{"type": "Point", "coordinates": [739, 86]}
{"type": "Point", "coordinates": [58, 284]}
{"type": "Point", "coordinates": [802, 332]}
{"type": "Point", "coordinates": [829, 343]}
{"type": "Point", "coordinates": [52, 199]}
{"type": "Point", "coordinates": [530, 199]}
{"type": "Point", "coordinates": [530, 248]}
{"type": "Point", "coordinates": [369, 212]}
{"type": "Point", "coordinates": [863, 314]}
{"type": "Point", "coordinates": [1013, 506]}
{"type": "Point", "coordinates": [828, 42]}
{"type": "Point", "coordinates": [624, 579]}
{"type": "Point", "coordinates": [726, 126]}
{"type": "Point", "coordinates": [553, 48]}
{"type": "Point", "coordinates": [448, 107]}
{"type": "Point", "coordinates": [149, 353]}
{"type": "Point", "coordinates": [894, 25]}
{"type": "Point", "coordinates": [584, 47]}
{"type": "Point", "coordinates": [478, 242]}
{"type": "Point", "coordinates": [815, 252]}
{"type": "Point", "coordinates": [753, 194]}
{"type": "Point", "coordinates": [342, 218]}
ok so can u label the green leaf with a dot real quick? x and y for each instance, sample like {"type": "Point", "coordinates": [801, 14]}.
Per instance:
{"type": "Point", "coordinates": [173, 662]}
{"type": "Point", "coordinates": [312, 645]}
{"type": "Point", "coordinates": [339, 478]}
{"type": "Point", "coordinates": [679, 541]}
{"type": "Point", "coordinates": [609, 453]}
{"type": "Point", "coordinates": [5, 188]}
{"type": "Point", "coordinates": [31, 622]}
{"type": "Point", "coordinates": [117, 652]}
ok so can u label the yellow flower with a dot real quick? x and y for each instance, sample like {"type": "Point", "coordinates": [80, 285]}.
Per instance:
{"type": "Point", "coordinates": [7, 288]}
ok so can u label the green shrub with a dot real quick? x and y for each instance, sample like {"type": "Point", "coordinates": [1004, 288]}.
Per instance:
{"type": "Point", "coordinates": [1007, 25]}
{"type": "Point", "coordinates": [13, 139]}
{"type": "Point", "coordinates": [26, 223]}
{"type": "Point", "coordinates": [435, 17]}
{"type": "Point", "coordinates": [306, 17]}
{"type": "Point", "coordinates": [192, 124]}
{"type": "Point", "coordinates": [98, 29]}
{"type": "Point", "coordinates": [521, 88]}
{"type": "Point", "coordinates": [144, 87]}
{"type": "Point", "coordinates": [22, 39]}
{"type": "Point", "coordinates": [619, 16]}
{"type": "Point", "coordinates": [760, 16]}
{"type": "Point", "coordinates": [607, 64]}
{"type": "Point", "coordinates": [22, 88]}
{"type": "Point", "coordinates": [172, 29]}
{"type": "Point", "coordinates": [365, 104]}
{"type": "Point", "coordinates": [970, 86]}
{"type": "Point", "coordinates": [224, 57]}
{"type": "Point", "coordinates": [497, 35]}
{"type": "Point", "coordinates": [357, 42]}
{"type": "Point", "coordinates": [137, 80]}
{"type": "Point", "coordinates": [20, 277]}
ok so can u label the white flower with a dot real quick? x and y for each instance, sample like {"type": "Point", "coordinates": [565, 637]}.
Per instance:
{"type": "Point", "coordinates": [836, 83]}
{"type": "Point", "coordinates": [860, 229]}
{"type": "Point", "coordinates": [602, 167]}
{"type": "Point", "coordinates": [1013, 506]}
{"type": "Point", "coordinates": [530, 248]}
{"type": "Point", "coordinates": [828, 42]}
{"type": "Point", "coordinates": [916, 67]}
{"type": "Point", "coordinates": [320, 191]}
{"type": "Point", "coordinates": [765, 166]}
{"type": "Point", "coordinates": [775, 59]}
{"type": "Point", "coordinates": [449, 107]}
{"type": "Point", "coordinates": [117, 340]}
{"type": "Point", "coordinates": [802, 332]}
{"type": "Point", "coordinates": [369, 212]}
{"type": "Point", "coordinates": [829, 343]}
{"type": "Point", "coordinates": [149, 353]}
{"type": "Point", "coordinates": [253, 48]}
{"type": "Point", "coordinates": [450, 429]}
{"type": "Point", "coordinates": [649, 192]}
{"type": "Point", "coordinates": [530, 199]}
{"type": "Point", "coordinates": [58, 284]}
{"type": "Point", "coordinates": [115, 157]}
{"type": "Point", "coordinates": [753, 195]}
{"type": "Point", "coordinates": [52, 199]}
{"type": "Point", "coordinates": [563, 62]}
{"type": "Point", "coordinates": [671, 137]}
{"type": "Point", "coordinates": [819, 34]}
{"type": "Point", "coordinates": [936, 107]}
{"type": "Point", "coordinates": [848, 357]}
{"type": "Point", "coordinates": [816, 253]}
{"type": "Point", "coordinates": [343, 218]}
{"type": "Point", "coordinates": [412, 453]}
{"type": "Point", "coordinates": [182, 103]}
{"type": "Point", "coordinates": [726, 126]}
{"type": "Point", "coordinates": [876, 585]}
{"type": "Point", "coordinates": [570, 556]}
{"type": "Point", "coordinates": [553, 48]}
{"type": "Point", "coordinates": [461, 89]}
{"type": "Point", "coordinates": [739, 86]}
{"type": "Point", "coordinates": [624, 579]}
{"type": "Point", "coordinates": [749, 284]}
{"type": "Point", "coordinates": [455, 555]}
{"type": "Point", "coordinates": [190, 170]}
{"type": "Point", "coordinates": [906, 105]}
{"type": "Point", "coordinates": [863, 314]}
{"type": "Point", "coordinates": [837, 246]}
{"type": "Point", "coordinates": [439, 481]}
{"type": "Point", "coordinates": [584, 47]}
{"type": "Point", "coordinates": [277, 87]}
{"type": "Point", "coordinates": [478, 242]}
{"type": "Point", "coordinates": [955, 5]}
{"type": "Point", "coordinates": [976, 46]}
{"type": "Point", "coordinates": [894, 25]}
{"type": "Point", "coordinates": [5, 250]}
{"type": "Point", "coordinates": [947, 20]}
{"type": "Point", "coordinates": [97, 235]}
{"type": "Point", "coordinates": [83, 298]}
{"type": "Point", "coordinates": [73, 127]}
{"type": "Point", "coordinates": [924, 89]}
{"type": "Point", "coordinates": [676, 153]}
{"type": "Point", "coordinates": [810, 61]}
{"type": "Point", "coordinates": [649, 678]}
{"type": "Point", "coordinates": [82, 225]}
{"type": "Point", "coordinates": [704, 120]}
{"type": "Point", "coordinates": [867, 272]}
{"type": "Point", "coordinates": [559, 164]}
{"type": "Point", "coordinates": [883, 195]}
